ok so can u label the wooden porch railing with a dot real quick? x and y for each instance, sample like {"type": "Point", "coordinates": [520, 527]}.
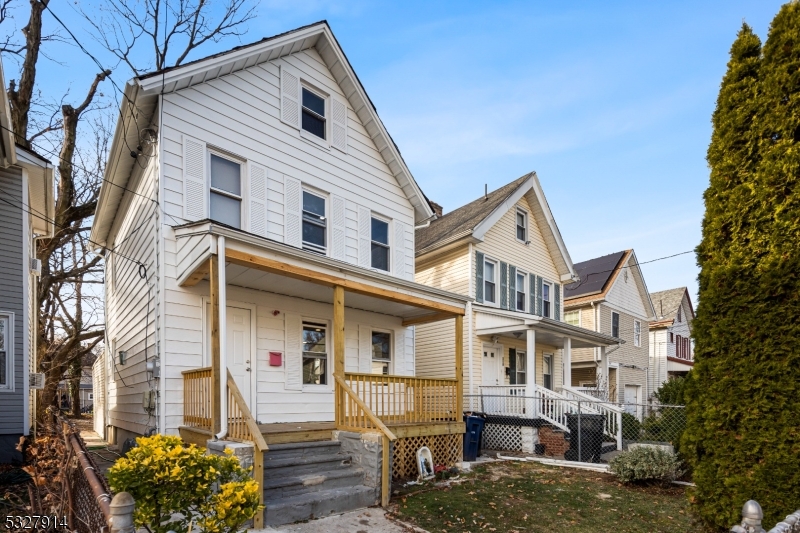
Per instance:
{"type": "Point", "coordinates": [197, 398]}
{"type": "Point", "coordinates": [352, 414]}
{"type": "Point", "coordinates": [242, 427]}
{"type": "Point", "coordinates": [407, 400]}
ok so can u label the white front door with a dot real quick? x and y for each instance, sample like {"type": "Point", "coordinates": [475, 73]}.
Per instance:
{"type": "Point", "coordinates": [238, 349]}
{"type": "Point", "coordinates": [492, 361]}
{"type": "Point", "coordinates": [632, 399]}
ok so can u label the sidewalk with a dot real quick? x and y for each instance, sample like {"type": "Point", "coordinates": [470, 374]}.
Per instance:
{"type": "Point", "coordinates": [372, 520]}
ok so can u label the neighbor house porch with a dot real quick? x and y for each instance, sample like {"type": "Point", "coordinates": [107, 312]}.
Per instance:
{"type": "Point", "coordinates": [301, 345]}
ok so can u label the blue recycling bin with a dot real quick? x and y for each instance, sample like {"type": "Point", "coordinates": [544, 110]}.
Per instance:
{"type": "Point", "coordinates": [472, 437]}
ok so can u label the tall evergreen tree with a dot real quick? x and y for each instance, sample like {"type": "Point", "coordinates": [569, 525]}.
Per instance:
{"type": "Point", "coordinates": [743, 406]}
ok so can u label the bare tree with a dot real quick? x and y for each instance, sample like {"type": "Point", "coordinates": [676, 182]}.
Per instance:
{"type": "Point", "coordinates": [71, 319]}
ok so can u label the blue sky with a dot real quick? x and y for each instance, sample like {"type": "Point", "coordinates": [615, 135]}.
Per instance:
{"type": "Point", "coordinates": [609, 102]}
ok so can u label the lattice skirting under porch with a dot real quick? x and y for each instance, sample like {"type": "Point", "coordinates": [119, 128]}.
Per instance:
{"type": "Point", "coordinates": [446, 450]}
{"type": "Point", "coordinates": [497, 437]}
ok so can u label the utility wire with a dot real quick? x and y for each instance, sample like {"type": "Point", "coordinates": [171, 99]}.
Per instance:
{"type": "Point", "coordinates": [573, 286]}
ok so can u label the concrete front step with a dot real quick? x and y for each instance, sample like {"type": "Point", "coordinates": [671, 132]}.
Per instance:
{"type": "Point", "coordinates": [302, 449]}
{"type": "Point", "coordinates": [292, 466]}
{"type": "Point", "coordinates": [282, 487]}
{"type": "Point", "coordinates": [318, 504]}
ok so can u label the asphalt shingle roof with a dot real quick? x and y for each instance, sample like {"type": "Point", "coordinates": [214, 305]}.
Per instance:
{"type": "Point", "coordinates": [667, 302]}
{"type": "Point", "coordinates": [466, 218]}
{"type": "Point", "coordinates": [594, 275]}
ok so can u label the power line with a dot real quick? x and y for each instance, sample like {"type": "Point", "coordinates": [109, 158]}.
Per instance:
{"type": "Point", "coordinates": [583, 279]}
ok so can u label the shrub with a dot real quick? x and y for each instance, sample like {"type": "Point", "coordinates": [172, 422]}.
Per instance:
{"type": "Point", "coordinates": [631, 427]}
{"type": "Point", "coordinates": [646, 463]}
{"type": "Point", "coordinates": [671, 392]}
{"type": "Point", "coordinates": [666, 425]}
{"type": "Point", "coordinates": [174, 485]}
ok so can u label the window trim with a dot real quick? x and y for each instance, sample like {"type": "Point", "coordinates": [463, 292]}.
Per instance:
{"type": "Point", "coordinates": [524, 291]}
{"type": "Point", "coordinates": [10, 385]}
{"type": "Point", "coordinates": [311, 247]}
{"type": "Point", "coordinates": [494, 281]}
{"type": "Point", "coordinates": [551, 357]}
{"type": "Point", "coordinates": [549, 301]}
{"type": "Point", "coordinates": [328, 371]}
{"type": "Point", "coordinates": [576, 311]}
{"type": "Point", "coordinates": [372, 359]}
{"type": "Point", "coordinates": [524, 213]}
{"type": "Point", "coordinates": [524, 355]}
{"type": "Point", "coordinates": [613, 313]}
{"type": "Point", "coordinates": [210, 150]}
{"type": "Point", "coordinates": [305, 134]}
{"type": "Point", "coordinates": [388, 246]}
{"type": "Point", "coordinates": [637, 335]}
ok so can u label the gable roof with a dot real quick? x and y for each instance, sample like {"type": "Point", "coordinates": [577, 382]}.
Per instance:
{"type": "Point", "coordinates": [667, 303]}
{"type": "Point", "coordinates": [596, 275]}
{"type": "Point", "coordinates": [470, 222]}
{"type": "Point", "coordinates": [142, 93]}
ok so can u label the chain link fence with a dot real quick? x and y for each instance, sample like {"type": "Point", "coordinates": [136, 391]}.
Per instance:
{"type": "Point", "coordinates": [586, 431]}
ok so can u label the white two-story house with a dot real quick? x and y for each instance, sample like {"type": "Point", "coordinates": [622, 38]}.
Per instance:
{"type": "Point", "coordinates": [265, 231]}
{"type": "Point", "coordinates": [671, 348]}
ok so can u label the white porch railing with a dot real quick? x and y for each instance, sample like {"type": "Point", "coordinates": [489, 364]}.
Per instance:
{"type": "Point", "coordinates": [501, 400]}
{"type": "Point", "coordinates": [612, 425]}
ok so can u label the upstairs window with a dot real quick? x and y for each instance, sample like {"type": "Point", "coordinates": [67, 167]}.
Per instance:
{"type": "Point", "coordinates": [679, 314]}
{"type": "Point", "coordinates": [315, 354]}
{"type": "Point", "coordinates": [313, 113]}
{"type": "Point", "coordinates": [315, 223]}
{"type": "Point", "coordinates": [380, 244]}
{"type": "Point", "coordinates": [226, 191]}
{"type": "Point", "coordinates": [489, 281]}
{"type": "Point", "coordinates": [615, 325]}
{"type": "Point", "coordinates": [573, 318]}
{"type": "Point", "coordinates": [637, 333]}
{"type": "Point", "coordinates": [671, 337]}
{"type": "Point", "coordinates": [6, 336]}
{"type": "Point", "coordinates": [520, 290]}
{"type": "Point", "coordinates": [522, 226]}
{"type": "Point", "coordinates": [381, 352]}
{"type": "Point", "coordinates": [546, 300]}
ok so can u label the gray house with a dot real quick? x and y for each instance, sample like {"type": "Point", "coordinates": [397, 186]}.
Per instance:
{"type": "Point", "coordinates": [26, 210]}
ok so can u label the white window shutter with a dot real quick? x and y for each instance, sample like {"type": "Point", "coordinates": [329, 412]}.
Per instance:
{"type": "Point", "coordinates": [290, 96]}
{"type": "Point", "coordinates": [338, 229]}
{"type": "Point", "coordinates": [399, 352]}
{"type": "Point", "coordinates": [364, 349]}
{"type": "Point", "coordinates": [293, 198]}
{"type": "Point", "coordinates": [399, 249]}
{"type": "Point", "coordinates": [364, 237]}
{"type": "Point", "coordinates": [338, 124]}
{"type": "Point", "coordinates": [293, 365]}
{"type": "Point", "coordinates": [195, 186]}
{"type": "Point", "coordinates": [409, 246]}
{"type": "Point", "coordinates": [258, 199]}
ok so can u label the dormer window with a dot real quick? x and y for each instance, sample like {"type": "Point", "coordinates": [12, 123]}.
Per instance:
{"type": "Point", "coordinates": [226, 191]}
{"type": "Point", "coordinates": [313, 113]}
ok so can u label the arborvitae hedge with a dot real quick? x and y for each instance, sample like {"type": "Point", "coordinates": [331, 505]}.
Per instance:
{"type": "Point", "coordinates": [743, 398]}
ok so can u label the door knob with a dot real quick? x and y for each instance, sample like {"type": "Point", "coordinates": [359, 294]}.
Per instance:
{"type": "Point", "coordinates": [247, 369]}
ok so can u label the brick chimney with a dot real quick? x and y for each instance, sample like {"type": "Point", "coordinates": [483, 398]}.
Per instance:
{"type": "Point", "coordinates": [436, 208]}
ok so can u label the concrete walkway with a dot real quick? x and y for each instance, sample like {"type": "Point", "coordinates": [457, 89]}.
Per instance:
{"type": "Point", "coordinates": [372, 520]}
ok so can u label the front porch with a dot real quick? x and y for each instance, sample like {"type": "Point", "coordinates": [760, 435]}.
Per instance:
{"type": "Point", "coordinates": [315, 321]}
{"type": "Point", "coordinates": [533, 387]}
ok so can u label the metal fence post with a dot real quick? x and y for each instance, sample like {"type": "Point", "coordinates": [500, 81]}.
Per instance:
{"type": "Point", "coordinates": [121, 520]}
{"type": "Point", "coordinates": [752, 514]}
{"type": "Point", "coordinates": [580, 452]}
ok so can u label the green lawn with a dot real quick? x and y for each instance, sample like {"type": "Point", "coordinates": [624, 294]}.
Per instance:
{"type": "Point", "coordinates": [507, 497]}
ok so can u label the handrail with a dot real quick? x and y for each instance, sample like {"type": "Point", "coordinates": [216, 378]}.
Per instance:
{"type": "Point", "coordinates": [242, 427]}
{"type": "Point", "coordinates": [197, 393]}
{"type": "Point", "coordinates": [342, 389]}
{"type": "Point", "coordinates": [367, 412]}
{"type": "Point", "coordinates": [368, 375]}
{"type": "Point", "coordinates": [612, 424]}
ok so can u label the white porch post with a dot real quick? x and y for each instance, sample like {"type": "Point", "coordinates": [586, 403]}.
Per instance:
{"type": "Point", "coordinates": [223, 340]}
{"type": "Point", "coordinates": [530, 367]}
{"type": "Point", "coordinates": [567, 360]}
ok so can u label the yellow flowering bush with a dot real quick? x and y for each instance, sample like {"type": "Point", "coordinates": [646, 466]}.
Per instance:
{"type": "Point", "coordinates": [176, 485]}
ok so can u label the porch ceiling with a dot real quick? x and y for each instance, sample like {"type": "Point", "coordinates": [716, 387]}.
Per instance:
{"type": "Point", "coordinates": [258, 263]}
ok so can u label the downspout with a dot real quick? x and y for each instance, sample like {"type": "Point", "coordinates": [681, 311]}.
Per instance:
{"type": "Point", "coordinates": [223, 340]}
{"type": "Point", "coordinates": [469, 321]}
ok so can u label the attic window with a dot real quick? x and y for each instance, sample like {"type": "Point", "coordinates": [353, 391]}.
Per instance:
{"type": "Point", "coordinates": [313, 113]}
{"type": "Point", "coordinates": [522, 226]}
{"type": "Point", "coordinates": [679, 314]}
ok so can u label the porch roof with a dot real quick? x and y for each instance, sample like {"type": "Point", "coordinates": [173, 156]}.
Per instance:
{"type": "Point", "coordinates": [548, 331]}
{"type": "Point", "coordinates": [263, 264]}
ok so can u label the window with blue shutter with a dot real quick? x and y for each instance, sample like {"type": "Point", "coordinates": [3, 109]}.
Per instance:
{"type": "Point", "coordinates": [503, 285]}
{"type": "Point", "coordinates": [532, 291]}
{"type": "Point", "coordinates": [539, 285]}
{"type": "Point", "coordinates": [557, 302]}
{"type": "Point", "coordinates": [479, 277]}
{"type": "Point", "coordinates": [512, 363]}
{"type": "Point", "coordinates": [512, 286]}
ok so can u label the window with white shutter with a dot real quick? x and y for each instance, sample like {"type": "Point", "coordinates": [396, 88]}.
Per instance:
{"type": "Point", "coordinates": [364, 349]}
{"type": "Point", "coordinates": [338, 229]}
{"type": "Point", "coordinates": [294, 352]}
{"type": "Point", "coordinates": [293, 207]}
{"type": "Point", "coordinates": [290, 96]}
{"type": "Point", "coordinates": [364, 237]}
{"type": "Point", "coordinates": [339, 124]}
{"type": "Point", "coordinates": [258, 199]}
{"type": "Point", "coordinates": [195, 201]}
